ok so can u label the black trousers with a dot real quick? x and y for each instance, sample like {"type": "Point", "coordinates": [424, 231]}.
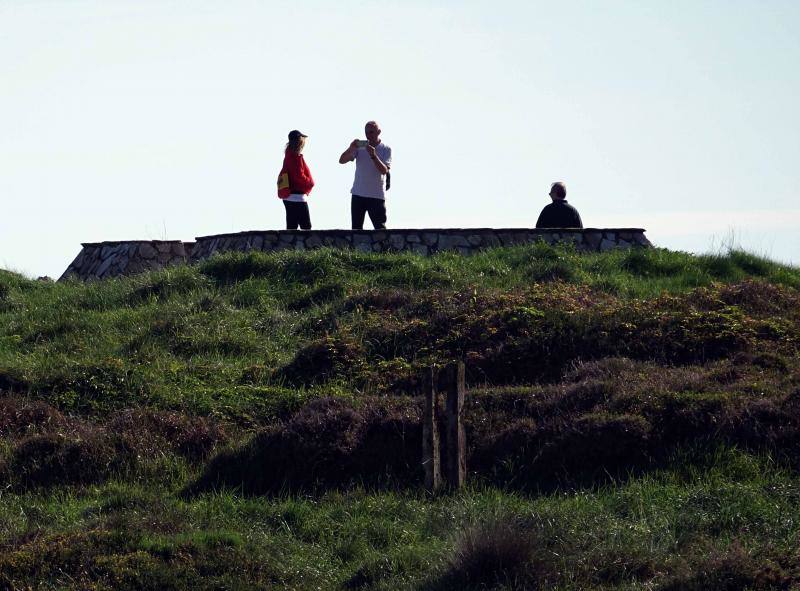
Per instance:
{"type": "Point", "coordinates": [297, 215]}
{"type": "Point", "coordinates": [376, 208]}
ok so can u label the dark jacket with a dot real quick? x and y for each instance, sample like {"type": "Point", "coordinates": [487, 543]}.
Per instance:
{"type": "Point", "coordinates": [559, 214]}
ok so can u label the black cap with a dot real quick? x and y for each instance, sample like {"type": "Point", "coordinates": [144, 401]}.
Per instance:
{"type": "Point", "coordinates": [295, 134]}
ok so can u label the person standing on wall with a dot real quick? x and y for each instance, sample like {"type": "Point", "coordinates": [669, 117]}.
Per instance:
{"type": "Point", "coordinates": [559, 213]}
{"type": "Point", "coordinates": [373, 160]}
{"type": "Point", "coordinates": [295, 183]}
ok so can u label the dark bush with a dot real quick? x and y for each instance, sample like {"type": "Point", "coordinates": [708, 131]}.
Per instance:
{"type": "Point", "coordinates": [11, 381]}
{"type": "Point", "coordinates": [734, 570]}
{"type": "Point", "coordinates": [323, 360]}
{"type": "Point", "coordinates": [152, 431]}
{"type": "Point", "coordinates": [52, 460]}
{"type": "Point", "coordinates": [500, 551]}
{"type": "Point", "coordinates": [19, 418]}
{"type": "Point", "coordinates": [575, 434]}
{"type": "Point", "coordinates": [326, 444]}
{"type": "Point", "coordinates": [766, 424]}
{"type": "Point", "coordinates": [574, 451]}
{"type": "Point", "coordinates": [128, 561]}
{"type": "Point", "coordinates": [761, 298]}
{"type": "Point", "coordinates": [386, 299]}
{"type": "Point", "coordinates": [685, 417]}
{"type": "Point", "coordinates": [764, 360]}
{"type": "Point", "coordinates": [600, 442]}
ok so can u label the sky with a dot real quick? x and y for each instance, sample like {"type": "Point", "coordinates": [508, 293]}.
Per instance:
{"type": "Point", "coordinates": [144, 119]}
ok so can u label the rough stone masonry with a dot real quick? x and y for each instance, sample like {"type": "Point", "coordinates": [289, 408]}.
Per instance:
{"type": "Point", "coordinates": [101, 260]}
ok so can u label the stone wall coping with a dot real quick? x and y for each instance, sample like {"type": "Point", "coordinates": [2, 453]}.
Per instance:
{"type": "Point", "coordinates": [118, 242]}
{"type": "Point", "coordinates": [345, 232]}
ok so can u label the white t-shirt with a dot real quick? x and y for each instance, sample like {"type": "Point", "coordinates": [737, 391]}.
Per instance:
{"type": "Point", "coordinates": [297, 198]}
{"type": "Point", "coordinates": [368, 182]}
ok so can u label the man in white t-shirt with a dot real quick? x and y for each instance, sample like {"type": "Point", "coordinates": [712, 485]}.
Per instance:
{"type": "Point", "coordinates": [373, 161]}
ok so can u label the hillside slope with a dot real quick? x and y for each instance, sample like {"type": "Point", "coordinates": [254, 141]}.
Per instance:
{"type": "Point", "coordinates": [263, 410]}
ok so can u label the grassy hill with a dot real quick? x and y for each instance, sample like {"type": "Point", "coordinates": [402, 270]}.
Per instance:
{"type": "Point", "coordinates": [253, 422]}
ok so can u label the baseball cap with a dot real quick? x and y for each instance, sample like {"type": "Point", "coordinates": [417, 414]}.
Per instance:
{"type": "Point", "coordinates": [294, 134]}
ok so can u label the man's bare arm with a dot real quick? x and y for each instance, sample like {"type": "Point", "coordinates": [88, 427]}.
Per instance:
{"type": "Point", "coordinates": [350, 153]}
{"type": "Point", "coordinates": [379, 164]}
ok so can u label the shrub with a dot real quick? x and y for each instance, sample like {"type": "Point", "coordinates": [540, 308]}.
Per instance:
{"type": "Point", "coordinates": [391, 300]}
{"type": "Point", "coordinates": [323, 360]}
{"type": "Point", "coordinates": [50, 460]}
{"type": "Point", "coordinates": [497, 551]}
{"type": "Point", "coordinates": [568, 451]}
{"type": "Point", "coordinates": [733, 570]}
{"type": "Point", "coordinates": [11, 381]}
{"type": "Point", "coordinates": [326, 444]}
{"type": "Point", "coordinates": [130, 560]}
{"type": "Point", "coordinates": [19, 418]}
{"type": "Point", "coordinates": [152, 430]}
{"type": "Point", "coordinates": [5, 298]}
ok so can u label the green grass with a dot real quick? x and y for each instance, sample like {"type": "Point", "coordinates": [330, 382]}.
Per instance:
{"type": "Point", "coordinates": [194, 337]}
{"type": "Point", "coordinates": [626, 536]}
{"type": "Point", "coordinates": [696, 356]}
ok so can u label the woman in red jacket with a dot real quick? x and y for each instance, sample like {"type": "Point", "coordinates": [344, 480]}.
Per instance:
{"type": "Point", "coordinates": [300, 183]}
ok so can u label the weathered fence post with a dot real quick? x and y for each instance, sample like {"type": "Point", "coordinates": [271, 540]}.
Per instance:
{"type": "Point", "coordinates": [431, 457]}
{"type": "Point", "coordinates": [456, 464]}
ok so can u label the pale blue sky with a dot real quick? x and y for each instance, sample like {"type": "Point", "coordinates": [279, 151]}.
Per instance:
{"type": "Point", "coordinates": [137, 119]}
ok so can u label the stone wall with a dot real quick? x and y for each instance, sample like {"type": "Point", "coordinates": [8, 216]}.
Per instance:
{"type": "Point", "coordinates": [100, 260]}
{"type": "Point", "coordinates": [109, 259]}
{"type": "Point", "coordinates": [425, 241]}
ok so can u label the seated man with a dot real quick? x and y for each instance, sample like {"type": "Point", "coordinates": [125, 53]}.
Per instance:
{"type": "Point", "coordinates": [559, 214]}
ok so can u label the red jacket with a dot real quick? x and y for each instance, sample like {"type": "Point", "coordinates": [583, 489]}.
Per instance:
{"type": "Point", "coordinates": [300, 179]}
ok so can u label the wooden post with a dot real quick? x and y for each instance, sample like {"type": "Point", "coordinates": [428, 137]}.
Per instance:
{"type": "Point", "coordinates": [456, 464]}
{"type": "Point", "coordinates": [430, 435]}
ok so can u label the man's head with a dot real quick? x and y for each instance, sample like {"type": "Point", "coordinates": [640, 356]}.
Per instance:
{"type": "Point", "coordinates": [558, 191]}
{"type": "Point", "coordinates": [373, 132]}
